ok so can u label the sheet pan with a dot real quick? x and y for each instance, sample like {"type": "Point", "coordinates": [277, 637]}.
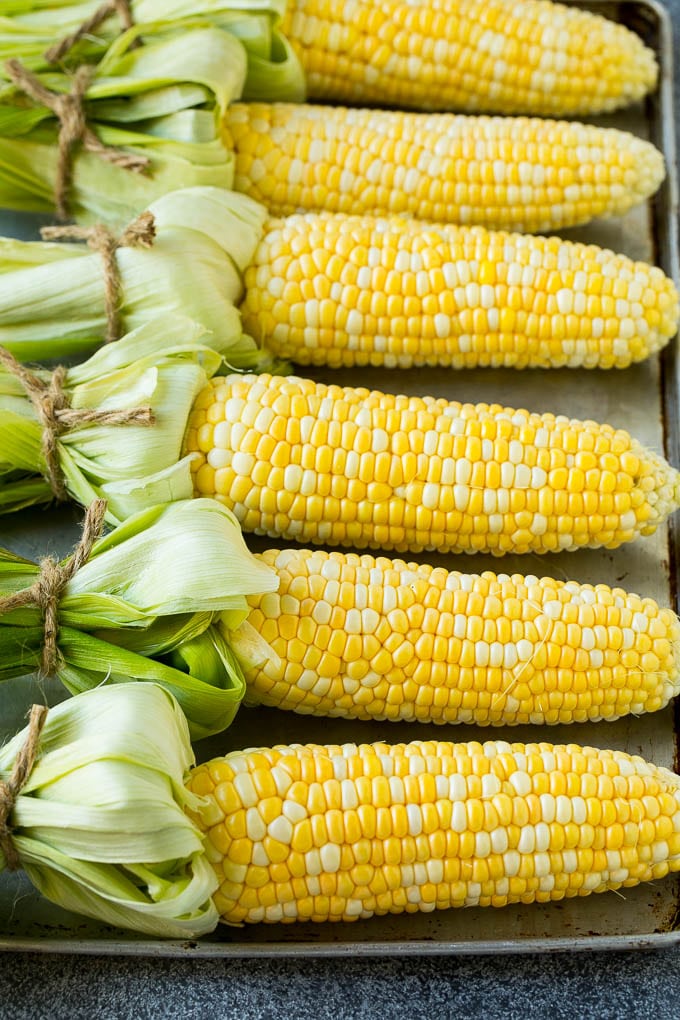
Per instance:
{"type": "Point", "coordinates": [646, 400]}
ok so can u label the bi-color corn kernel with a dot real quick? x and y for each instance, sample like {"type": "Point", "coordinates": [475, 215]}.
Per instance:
{"type": "Point", "coordinates": [337, 833]}
{"type": "Point", "coordinates": [338, 290]}
{"type": "Point", "coordinates": [507, 173]}
{"type": "Point", "coordinates": [365, 638]}
{"type": "Point", "coordinates": [347, 466]}
{"type": "Point", "coordinates": [526, 56]}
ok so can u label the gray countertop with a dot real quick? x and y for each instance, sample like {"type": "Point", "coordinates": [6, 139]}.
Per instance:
{"type": "Point", "coordinates": [591, 984]}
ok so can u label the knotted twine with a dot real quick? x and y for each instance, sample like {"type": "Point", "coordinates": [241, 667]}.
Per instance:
{"type": "Point", "coordinates": [120, 7]}
{"type": "Point", "coordinates": [138, 234]}
{"type": "Point", "coordinates": [68, 109]}
{"type": "Point", "coordinates": [45, 592]}
{"type": "Point", "coordinates": [51, 405]}
{"type": "Point", "coordinates": [10, 790]}
{"type": "Point", "coordinates": [47, 589]}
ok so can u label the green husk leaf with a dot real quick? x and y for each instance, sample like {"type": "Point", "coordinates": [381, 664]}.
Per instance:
{"type": "Point", "coordinates": [274, 72]}
{"type": "Point", "coordinates": [145, 607]}
{"type": "Point", "coordinates": [101, 826]}
{"type": "Point", "coordinates": [205, 239]}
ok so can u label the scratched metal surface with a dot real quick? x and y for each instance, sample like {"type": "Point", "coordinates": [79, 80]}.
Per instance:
{"type": "Point", "coordinates": [642, 399]}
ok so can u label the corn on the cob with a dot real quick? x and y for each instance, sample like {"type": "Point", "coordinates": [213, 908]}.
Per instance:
{"type": "Point", "coordinates": [337, 290]}
{"type": "Point", "coordinates": [522, 57]}
{"type": "Point", "coordinates": [507, 173]}
{"type": "Point", "coordinates": [367, 638]}
{"type": "Point", "coordinates": [344, 832]}
{"type": "Point", "coordinates": [344, 466]}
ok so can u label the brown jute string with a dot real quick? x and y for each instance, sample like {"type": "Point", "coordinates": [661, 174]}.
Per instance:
{"type": "Point", "coordinates": [48, 587]}
{"type": "Point", "coordinates": [69, 111]}
{"type": "Point", "coordinates": [56, 416]}
{"type": "Point", "coordinates": [138, 234]}
{"type": "Point", "coordinates": [120, 7]}
{"type": "Point", "coordinates": [10, 790]}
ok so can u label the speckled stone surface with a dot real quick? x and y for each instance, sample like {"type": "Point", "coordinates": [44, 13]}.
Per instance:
{"type": "Point", "coordinates": [605, 986]}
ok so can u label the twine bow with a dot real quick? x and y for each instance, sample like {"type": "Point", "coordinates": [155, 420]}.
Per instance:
{"type": "Point", "coordinates": [140, 233]}
{"type": "Point", "coordinates": [10, 790]}
{"type": "Point", "coordinates": [48, 587]}
{"type": "Point", "coordinates": [73, 129]}
{"type": "Point", "coordinates": [51, 405]}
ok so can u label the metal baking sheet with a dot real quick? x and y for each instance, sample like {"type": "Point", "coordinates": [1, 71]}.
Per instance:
{"type": "Point", "coordinates": [644, 399]}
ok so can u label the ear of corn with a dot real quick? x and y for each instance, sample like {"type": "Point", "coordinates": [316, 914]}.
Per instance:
{"type": "Point", "coordinates": [345, 466]}
{"type": "Point", "coordinates": [365, 638]}
{"type": "Point", "coordinates": [346, 832]}
{"type": "Point", "coordinates": [528, 57]}
{"type": "Point", "coordinates": [341, 290]}
{"type": "Point", "coordinates": [507, 173]}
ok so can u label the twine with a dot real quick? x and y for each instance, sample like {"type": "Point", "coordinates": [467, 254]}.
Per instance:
{"type": "Point", "coordinates": [48, 587]}
{"type": "Point", "coordinates": [69, 110]}
{"type": "Point", "coordinates": [10, 790]}
{"type": "Point", "coordinates": [54, 413]}
{"type": "Point", "coordinates": [138, 234]}
{"type": "Point", "coordinates": [120, 7]}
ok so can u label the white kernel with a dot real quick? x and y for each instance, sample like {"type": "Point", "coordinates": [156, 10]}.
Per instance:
{"type": "Point", "coordinates": [569, 862]}
{"type": "Point", "coordinates": [527, 840]}
{"type": "Point", "coordinates": [499, 840]}
{"type": "Point", "coordinates": [495, 654]}
{"type": "Point", "coordinates": [255, 824]}
{"type": "Point", "coordinates": [415, 819]}
{"type": "Point", "coordinates": [457, 790]}
{"type": "Point", "coordinates": [463, 471]}
{"type": "Point", "coordinates": [541, 864]}
{"type": "Point", "coordinates": [313, 864]}
{"type": "Point", "coordinates": [459, 817]}
{"type": "Point", "coordinates": [282, 780]}
{"type": "Point", "coordinates": [330, 857]}
{"type": "Point", "coordinates": [542, 834]}
{"type": "Point", "coordinates": [511, 863]}
{"type": "Point", "coordinates": [245, 789]}
{"type": "Point", "coordinates": [397, 792]}
{"type": "Point", "coordinates": [482, 844]}
{"type": "Point", "coordinates": [260, 857]}
{"type": "Point", "coordinates": [281, 829]}
{"type": "Point", "coordinates": [563, 812]}
{"type": "Point", "coordinates": [292, 478]}
{"type": "Point", "coordinates": [442, 325]}
{"type": "Point", "coordinates": [521, 783]}
{"type": "Point", "coordinates": [350, 801]}
{"type": "Point", "coordinates": [293, 811]}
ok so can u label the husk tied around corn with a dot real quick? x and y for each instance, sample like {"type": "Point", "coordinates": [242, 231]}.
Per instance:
{"type": "Point", "coordinates": [143, 607]}
{"type": "Point", "coordinates": [204, 240]}
{"type": "Point", "coordinates": [162, 367]}
{"type": "Point", "coordinates": [160, 103]}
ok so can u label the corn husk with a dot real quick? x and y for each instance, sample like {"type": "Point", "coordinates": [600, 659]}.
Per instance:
{"type": "Point", "coordinates": [100, 826]}
{"type": "Point", "coordinates": [145, 606]}
{"type": "Point", "coordinates": [163, 101]}
{"type": "Point", "coordinates": [52, 295]}
{"type": "Point", "coordinates": [162, 365]}
{"type": "Point", "coordinates": [28, 28]}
